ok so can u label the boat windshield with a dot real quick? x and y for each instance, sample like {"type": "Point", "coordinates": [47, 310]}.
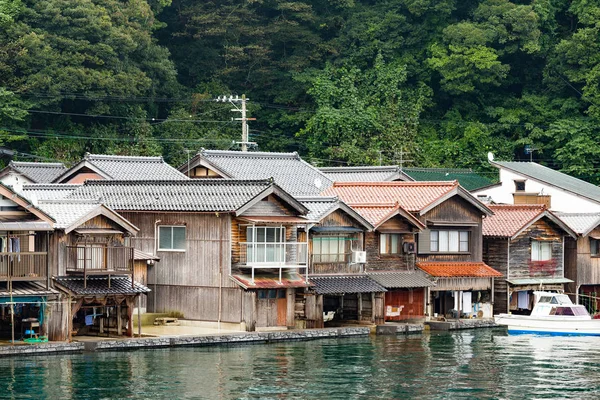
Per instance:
{"type": "Point", "coordinates": [545, 299]}
{"type": "Point", "coordinates": [576, 310]}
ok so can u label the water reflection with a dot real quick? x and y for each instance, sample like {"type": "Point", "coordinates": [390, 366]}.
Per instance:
{"type": "Point", "coordinates": [468, 364]}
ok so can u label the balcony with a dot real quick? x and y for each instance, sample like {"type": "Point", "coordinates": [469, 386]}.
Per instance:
{"type": "Point", "coordinates": [334, 264]}
{"type": "Point", "coordinates": [99, 260]}
{"type": "Point", "coordinates": [274, 255]}
{"type": "Point", "coordinates": [23, 266]}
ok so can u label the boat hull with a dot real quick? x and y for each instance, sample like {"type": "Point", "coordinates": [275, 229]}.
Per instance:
{"type": "Point", "coordinates": [555, 326]}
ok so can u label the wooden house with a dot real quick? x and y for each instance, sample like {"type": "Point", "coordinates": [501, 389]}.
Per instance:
{"type": "Point", "coordinates": [582, 259]}
{"type": "Point", "coordinates": [25, 289]}
{"type": "Point", "coordinates": [448, 245]}
{"type": "Point", "coordinates": [91, 262]}
{"type": "Point", "coordinates": [19, 173]}
{"type": "Point", "coordinates": [526, 243]}
{"type": "Point", "coordinates": [231, 251]}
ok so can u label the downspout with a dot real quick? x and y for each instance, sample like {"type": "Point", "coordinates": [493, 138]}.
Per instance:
{"type": "Point", "coordinates": [156, 222]}
{"type": "Point", "coordinates": [507, 276]}
{"type": "Point", "coordinates": [220, 281]}
{"type": "Point", "coordinates": [563, 267]}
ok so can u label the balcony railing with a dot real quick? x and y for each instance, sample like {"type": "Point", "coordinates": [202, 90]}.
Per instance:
{"type": "Point", "coordinates": [23, 266]}
{"type": "Point", "coordinates": [276, 255]}
{"type": "Point", "coordinates": [334, 264]}
{"type": "Point", "coordinates": [99, 260]}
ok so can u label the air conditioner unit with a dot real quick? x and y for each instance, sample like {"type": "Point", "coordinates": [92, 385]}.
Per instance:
{"type": "Point", "coordinates": [359, 257]}
{"type": "Point", "coordinates": [409, 247]}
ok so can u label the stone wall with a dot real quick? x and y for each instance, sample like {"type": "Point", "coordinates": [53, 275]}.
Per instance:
{"type": "Point", "coordinates": [41, 348]}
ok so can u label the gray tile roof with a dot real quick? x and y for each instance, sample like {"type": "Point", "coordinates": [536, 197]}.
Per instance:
{"type": "Point", "coordinates": [65, 213]}
{"type": "Point", "coordinates": [552, 177]}
{"type": "Point", "coordinates": [37, 171]}
{"type": "Point", "coordinates": [48, 191]}
{"type": "Point", "coordinates": [99, 285]}
{"type": "Point", "coordinates": [341, 284]}
{"type": "Point", "coordinates": [289, 171]}
{"type": "Point", "coordinates": [210, 195]}
{"type": "Point", "coordinates": [384, 173]}
{"type": "Point", "coordinates": [318, 207]}
{"type": "Point", "coordinates": [400, 279]}
{"type": "Point", "coordinates": [581, 223]}
{"type": "Point", "coordinates": [133, 168]}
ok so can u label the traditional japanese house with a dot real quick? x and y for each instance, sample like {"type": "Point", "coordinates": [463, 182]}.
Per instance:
{"type": "Point", "coordinates": [25, 290]}
{"type": "Point", "coordinates": [582, 259]}
{"type": "Point", "coordinates": [342, 291]}
{"type": "Point", "coordinates": [109, 167]}
{"type": "Point", "coordinates": [231, 251]}
{"type": "Point", "coordinates": [92, 265]}
{"type": "Point", "coordinates": [526, 243]}
{"type": "Point", "coordinates": [448, 249]}
{"type": "Point", "coordinates": [19, 173]}
{"type": "Point", "coordinates": [289, 171]}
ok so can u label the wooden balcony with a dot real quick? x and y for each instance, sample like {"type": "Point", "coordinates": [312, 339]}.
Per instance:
{"type": "Point", "coordinates": [334, 264]}
{"type": "Point", "coordinates": [99, 260]}
{"type": "Point", "coordinates": [23, 266]}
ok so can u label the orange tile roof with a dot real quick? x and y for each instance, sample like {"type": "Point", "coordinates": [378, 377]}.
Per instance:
{"type": "Point", "coordinates": [450, 269]}
{"type": "Point", "coordinates": [412, 196]}
{"type": "Point", "coordinates": [509, 219]}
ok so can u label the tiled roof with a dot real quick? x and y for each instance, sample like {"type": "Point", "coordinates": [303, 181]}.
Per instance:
{"type": "Point", "coordinates": [386, 173]}
{"type": "Point", "coordinates": [289, 171]}
{"type": "Point", "coordinates": [28, 289]}
{"type": "Point", "coordinates": [341, 284]}
{"type": "Point", "coordinates": [209, 195]}
{"type": "Point", "coordinates": [37, 171]}
{"type": "Point", "coordinates": [467, 178]}
{"type": "Point", "coordinates": [582, 223]}
{"type": "Point", "coordinates": [65, 213]}
{"type": "Point", "coordinates": [321, 206]}
{"type": "Point", "coordinates": [48, 191]}
{"type": "Point", "coordinates": [552, 177]}
{"type": "Point", "coordinates": [412, 196]}
{"type": "Point", "coordinates": [508, 220]}
{"type": "Point", "coordinates": [99, 286]}
{"type": "Point", "coordinates": [400, 279]}
{"type": "Point", "coordinates": [270, 281]}
{"type": "Point", "coordinates": [374, 213]}
{"type": "Point", "coordinates": [139, 255]}
{"type": "Point", "coordinates": [132, 168]}
{"type": "Point", "coordinates": [451, 269]}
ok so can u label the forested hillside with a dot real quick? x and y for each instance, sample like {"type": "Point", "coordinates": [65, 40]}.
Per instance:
{"type": "Point", "coordinates": [343, 82]}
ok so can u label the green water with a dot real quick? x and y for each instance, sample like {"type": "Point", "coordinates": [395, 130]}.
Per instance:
{"type": "Point", "coordinates": [467, 364]}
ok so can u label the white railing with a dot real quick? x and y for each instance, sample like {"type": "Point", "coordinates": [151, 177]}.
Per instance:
{"type": "Point", "coordinates": [275, 255]}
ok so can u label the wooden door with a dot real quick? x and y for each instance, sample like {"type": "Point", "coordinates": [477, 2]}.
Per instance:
{"type": "Point", "coordinates": [282, 311]}
{"type": "Point", "coordinates": [408, 303]}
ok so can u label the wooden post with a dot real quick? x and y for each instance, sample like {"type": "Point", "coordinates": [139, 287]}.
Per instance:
{"type": "Point", "coordinates": [69, 320]}
{"type": "Point", "coordinates": [359, 306]}
{"type": "Point", "coordinates": [139, 315]}
{"type": "Point", "coordinates": [119, 322]}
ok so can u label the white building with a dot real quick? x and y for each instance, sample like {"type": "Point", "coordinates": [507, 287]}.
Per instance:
{"type": "Point", "coordinates": [532, 183]}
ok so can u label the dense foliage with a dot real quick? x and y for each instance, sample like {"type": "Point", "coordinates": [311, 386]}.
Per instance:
{"type": "Point", "coordinates": [440, 82]}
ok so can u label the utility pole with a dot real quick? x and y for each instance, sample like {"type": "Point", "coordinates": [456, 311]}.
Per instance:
{"type": "Point", "coordinates": [233, 100]}
{"type": "Point", "coordinates": [402, 160]}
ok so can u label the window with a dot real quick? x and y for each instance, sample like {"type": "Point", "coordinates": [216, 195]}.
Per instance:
{"type": "Point", "coordinates": [330, 249]}
{"type": "Point", "coordinates": [541, 251]}
{"type": "Point", "coordinates": [91, 257]}
{"type": "Point", "coordinates": [265, 243]}
{"type": "Point", "coordinates": [595, 247]}
{"type": "Point", "coordinates": [171, 238]}
{"type": "Point", "coordinates": [449, 241]}
{"type": "Point", "coordinates": [390, 243]}
{"type": "Point", "coordinates": [519, 186]}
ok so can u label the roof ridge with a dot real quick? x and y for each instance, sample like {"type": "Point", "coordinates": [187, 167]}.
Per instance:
{"type": "Point", "coordinates": [199, 182]}
{"type": "Point", "coordinates": [314, 199]}
{"type": "Point", "coordinates": [440, 169]}
{"type": "Point", "coordinates": [37, 164]}
{"type": "Point", "coordinates": [361, 167]}
{"type": "Point", "coordinates": [70, 201]}
{"type": "Point", "coordinates": [398, 184]}
{"type": "Point", "coordinates": [250, 153]}
{"type": "Point", "coordinates": [111, 157]}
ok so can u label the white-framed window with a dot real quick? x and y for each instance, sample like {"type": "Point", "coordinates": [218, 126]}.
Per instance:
{"type": "Point", "coordinates": [447, 241]}
{"type": "Point", "coordinates": [171, 238]}
{"type": "Point", "coordinates": [330, 249]}
{"type": "Point", "coordinates": [265, 243]}
{"type": "Point", "coordinates": [541, 250]}
{"type": "Point", "coordinates": [390, 243]}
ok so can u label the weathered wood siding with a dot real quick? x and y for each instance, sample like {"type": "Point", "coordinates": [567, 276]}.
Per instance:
{"type": "Point", "coordinates": [458, 211]}
{"type": "Point", "coordinates": [495, 254]}
{"type": "Point", "coordinates": [378, 261]}
{"type": "Point", "coordinates": [521, 265]}
{"type": "Point", "coordinates": [270, 206]}
{"type": "Point", "coordinates": [571, 262]}
{"type": "Point", "coordinates": [188, 281]}
{"type": "Point", "coordinates": [588, 266]}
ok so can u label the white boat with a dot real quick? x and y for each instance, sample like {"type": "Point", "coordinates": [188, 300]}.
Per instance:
{"type": "Point", "coordinates": [553, 314]}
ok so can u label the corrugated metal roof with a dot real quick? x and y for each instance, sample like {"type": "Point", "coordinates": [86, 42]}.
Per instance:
{"type": "Point", "coordinates": [582, 223]}
{"type": "Point", "coordinates": [552, 177]}
{"type": "Point", "coordinates": [341, 284]}
{"type": "Point", "coordinates": [270, 281]}
{"type": "Point", "coordinates": [99, 286]}
{"type": "Point", "coordinates": [289, 171]}
{"type": "Point", "coordinates": [208, 195]}
{"type": "Point", "coordinates": [386, 173]}
{"type": "Point", "coordinates": [23, 288]}
{"type": "Point", "coordinates": [412, 196]}
{"type": "Point", "coordinates": [466, 178]}
{"type": "Point", "coordinates": [538, 281]}
{"type": "Point", "coordinates": [450, 269]}
{"type": "Point", "coordinates": [509, 219]}
{"type": "Point", "coordinates": [400, 279]}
